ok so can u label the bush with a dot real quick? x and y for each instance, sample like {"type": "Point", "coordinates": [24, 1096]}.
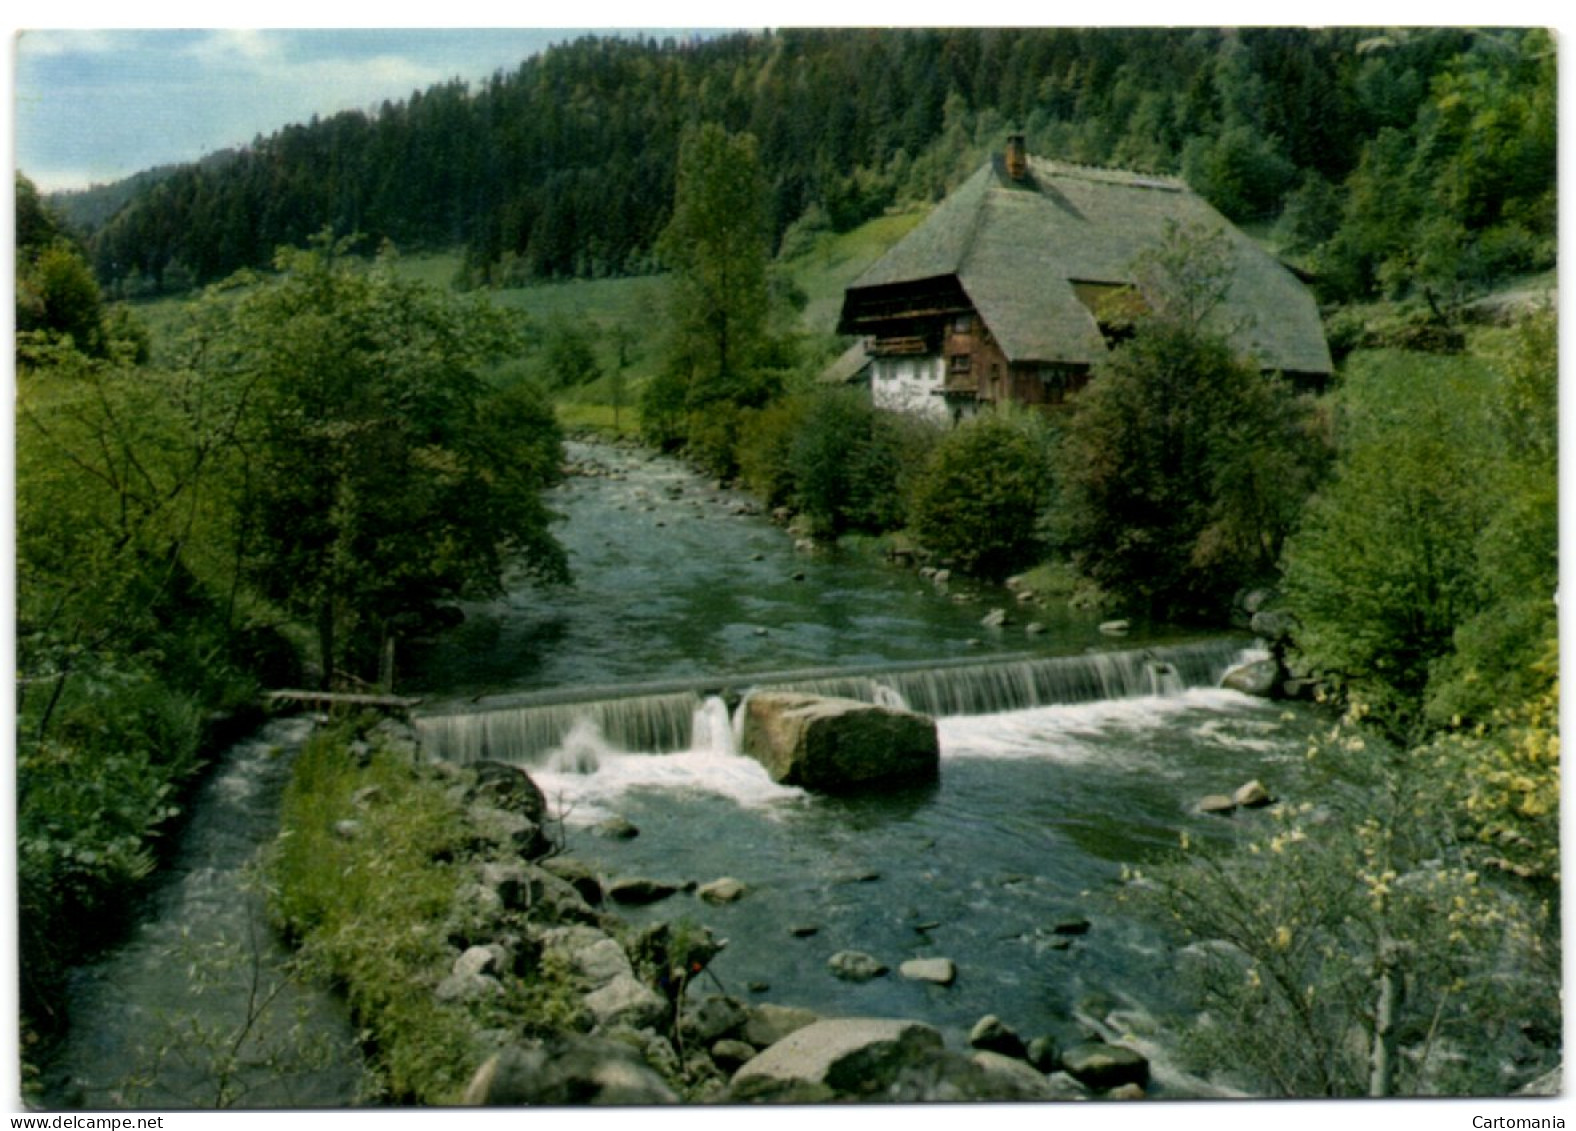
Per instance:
{"type": "Point", "coordinates": [93, 792]}
{"type": "Point", "coordinates": [1424, 574]}
{"type": "Point", "coordinates": [1182, 470]}
{"type": "Point", "coordinates": [979, 499]}
{"type": "Point", "coordinates": [766, 443]}
{"type": "Point", "coordinates": [1354, 948]}
{"type": "Point", "coordinates": [847, 462]}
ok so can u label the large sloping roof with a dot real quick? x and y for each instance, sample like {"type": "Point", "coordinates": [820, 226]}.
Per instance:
{"type": "Point", "coordinates": [1017, 247]}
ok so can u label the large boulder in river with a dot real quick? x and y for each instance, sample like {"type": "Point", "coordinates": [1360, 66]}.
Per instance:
{"type": "Point", "coordinates": [826, 744]}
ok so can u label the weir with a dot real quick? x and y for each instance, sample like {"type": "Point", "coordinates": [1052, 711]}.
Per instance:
{"type": "Point", "coordinates": [661, 717]}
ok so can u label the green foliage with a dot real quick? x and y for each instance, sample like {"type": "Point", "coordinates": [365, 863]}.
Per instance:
{"type": "Point", "coordinates": [1464, 193]}
{"type": "Point", "coordinates": [1182, 468]}
{"type": "Point", "coordinates": [1239, 171]}
{"type": "Point", "coordinates": [374, 911]}
{"type": "Point", "coordinates": [1354, 948]}
{"type": "Point", "coordinates": [370, 910]}
{"type": "Point", "coordinates": [563, 166]}
{"type": "Point", "coordinates": [378, 490]}
{"type": "Point", "coordinates": [720, 359]}
{"type": "Point", "coordinates": [570, 359]}
{"type": "Point", "coordinates": [850, 463]}
{"type": "Point", "coordinates": [1424, 573]}
{"type": "Point", "coordinates": [716, 246]}
{"type": "Point", "coordinates": [766, 445]}
{"type": "Point", "coordinates": [981, 494]}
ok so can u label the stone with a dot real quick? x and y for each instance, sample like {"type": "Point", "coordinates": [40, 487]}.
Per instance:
{"type": "Point", "coordinates": [1044, 1054]}
{"type": "Point", "coordinates": [1551, 1083]}
{"type": "Point", "coordinates": [616, 828]}
{"type": "Point", "coordinates": [1218, 804]}
{"type": "Point", "coordinates": [509, 787]}
{"type": "Point", "coordinates": [1064, 1087]}
{"type": "Point", "coordinates": [1034, 628]}
{"type": "Point", "coordinates": [825, 744]}
{"type": "Point", "coordinates": [713, 1018]}
{"type": "Point", "coordinates": [725, 890]}
{"type": "Point", "coordinates": [992, 1034]}
{"type": "Point", "coordinates": [1115, 627]}
{"type": "Point", "coordinates": [636, 890]}
{"type": "Point", "coordinates": [1272, 626]}
{"type": "Point", "coordinates": [578, 875]}
{"type": "Point", "coordinates": [1024, 1081]}
{"type": "Point", "coordinates": [506, 830]}
{"type": "Point", "coordinates": [938, 971]}
{"type": "Point", "coordinates": [849, 1057]}
{"type": "Point", "coordinates": [556, 899]}
{"type": "Point", "coordinates": [627, 1001]}
{"type": "Point", "coordinates": [855, 966]}
{"type": "Point", "coordinates": [567, 1071]}
{"type": "Point", "coordinates": [731, 1055]}
{"type": "Point", "coordinates": [1253, 795]}
{"type": "Point", "coordinates": [996, 618]}
{"type": "Point", "coordinates": [479, 960]}
{"type": "Point", "coordinates": [468, 987]}
{"type": "Point", "coordinates": [347, 829]}
{"type": "Point", "coordinates": [1261, 679]}
{"type": "Point", "coordinates": [601, 962]}
{"type": "Point", "coordinates": [1126, 1092]}
{"type": "Point", "coordinates": [1103, 1067]}
{"type": "Point", "coordinates": [770, 1023]}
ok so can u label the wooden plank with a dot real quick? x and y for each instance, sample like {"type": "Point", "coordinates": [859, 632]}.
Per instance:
{"type": "Point", "coordinates": [354, 699]}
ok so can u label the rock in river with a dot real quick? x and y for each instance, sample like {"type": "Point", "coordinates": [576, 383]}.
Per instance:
{"type": "Point", "coordinates": [826, 744]}
{"type": "Point", "coordinates": [855, 966]}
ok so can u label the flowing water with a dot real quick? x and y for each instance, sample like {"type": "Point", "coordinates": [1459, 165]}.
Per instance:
{"type": "Point", "coordinates": [1066, 758]}
{"type": "Point", "coordinates": [195, 1009]}
{"type": "Point", "coordinates": [1062, 765]}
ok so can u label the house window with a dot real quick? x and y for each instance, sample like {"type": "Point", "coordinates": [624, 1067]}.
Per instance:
{"type": "Point", "coordinates": [962, 324]}
{"type": "Point", "coordinates": [962, 362]}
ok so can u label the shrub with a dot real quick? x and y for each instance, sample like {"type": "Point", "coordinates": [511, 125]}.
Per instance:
{"type": "Point", "coordinates": [1354, 948]}
{"type": "Point", "coordinates": [982, 491]}
{"type": "Point", "coordinates": [847, 461]}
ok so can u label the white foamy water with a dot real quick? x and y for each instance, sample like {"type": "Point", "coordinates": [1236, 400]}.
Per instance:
{"type": "Point", "coordinates": [586, 777]}
{"type": "Point", "coordinates": [1110, 732]}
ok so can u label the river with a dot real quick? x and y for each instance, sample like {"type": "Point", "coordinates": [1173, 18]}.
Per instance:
{"type": "Point", "coordinates": [1038, 812]}
{"type": "Point", "coordinates": [1090, 765]}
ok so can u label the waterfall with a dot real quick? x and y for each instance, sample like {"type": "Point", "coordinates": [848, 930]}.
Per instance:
{"type": "Point", "coordinates": [712, 729]}
{"type": "Point", "coordinates": [572, 727]}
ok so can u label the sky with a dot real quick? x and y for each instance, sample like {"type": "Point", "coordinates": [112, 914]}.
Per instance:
{"type": "Point", "coordinates": [96, 105]}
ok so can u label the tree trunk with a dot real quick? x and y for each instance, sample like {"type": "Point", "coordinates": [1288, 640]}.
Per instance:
{"type": "Point", "coordinates": [325, 641]}
{"type": "Point", "coordinates": [1381, 1063]}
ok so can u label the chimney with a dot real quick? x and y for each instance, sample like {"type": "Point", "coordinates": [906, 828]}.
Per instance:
{"type": "Point", "coordinates": [1017, 161]}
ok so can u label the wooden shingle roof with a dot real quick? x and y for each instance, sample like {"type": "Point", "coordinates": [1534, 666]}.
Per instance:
{"type": "Point", "coordinates": [1017, 248]}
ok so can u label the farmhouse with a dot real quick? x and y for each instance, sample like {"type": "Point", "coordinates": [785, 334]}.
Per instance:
{"type": "Point", "coordinates": [1017, 283]}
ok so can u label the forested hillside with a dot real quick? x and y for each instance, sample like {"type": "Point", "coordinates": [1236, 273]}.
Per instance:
{"type": "Point", "coordinates": [1409, 159]}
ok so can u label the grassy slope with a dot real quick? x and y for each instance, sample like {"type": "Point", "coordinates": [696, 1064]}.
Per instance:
{"type": "Point", "coordinates": [822, 271]}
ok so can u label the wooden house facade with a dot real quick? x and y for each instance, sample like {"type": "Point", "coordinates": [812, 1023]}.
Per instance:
{"type": "Point", "coordinates": [1020, 281]}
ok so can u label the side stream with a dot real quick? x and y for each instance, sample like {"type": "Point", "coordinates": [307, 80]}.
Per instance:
{"type": "Point", "coordinates": [197, 1008]}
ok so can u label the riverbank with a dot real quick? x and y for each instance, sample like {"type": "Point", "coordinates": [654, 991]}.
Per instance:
{"type": "Point", "coordinates": [487, 966]}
